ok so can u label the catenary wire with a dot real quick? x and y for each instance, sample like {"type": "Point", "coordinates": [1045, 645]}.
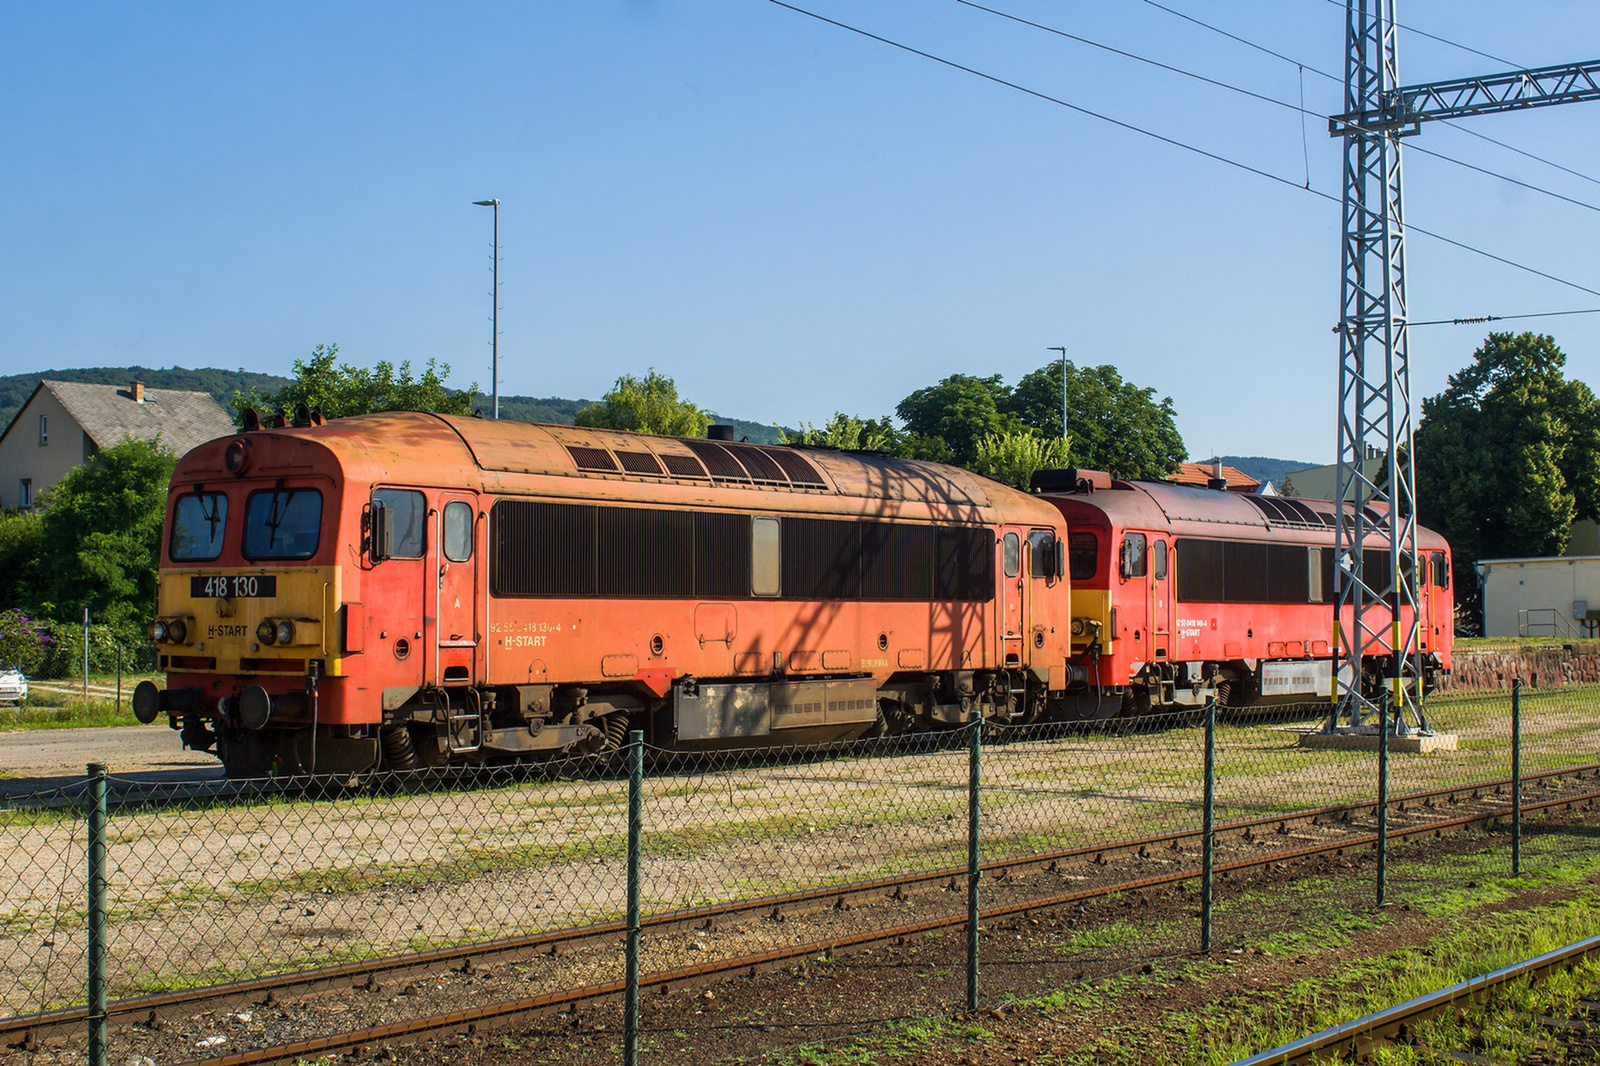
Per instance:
{"type": "Point", "coordinates": [1173, 142]}
{"type": "Point", "coordinates": [1301, 108]}
{"type": "Point", "coordinates": [1444, 40]}
{"type": "Point", "coordinates": [1340, 81]}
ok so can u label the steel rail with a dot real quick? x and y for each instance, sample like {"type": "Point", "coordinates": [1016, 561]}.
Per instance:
{"type": "Point", "coordinates": [1355, 1037]}
{"type": "Point", "coordinates": [501, 1012]}
{"type": "Point", "coordinates": [799, 901]}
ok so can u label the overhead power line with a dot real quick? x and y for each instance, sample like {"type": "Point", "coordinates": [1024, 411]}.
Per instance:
{"type": "Point", "coordinates": [1301, 108]}
{"type": "Point", "coordinates": [1340, 81]}
{"type": "Point", "coordinates": [1473, 320]}
{"type": "Point", "coordinates": [1443, 40]}
{"type": "Point", "coordinates": [1171, 141]}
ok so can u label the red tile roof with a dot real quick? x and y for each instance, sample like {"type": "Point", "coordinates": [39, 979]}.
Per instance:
{"type": "Point", "coordinates": [1201, 473]}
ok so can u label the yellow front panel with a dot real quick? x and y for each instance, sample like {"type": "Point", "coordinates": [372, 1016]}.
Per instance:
{"type": "Point", "coordinates": [225, 628]}
{"type": "Point", "coordinates": [1093, 604]}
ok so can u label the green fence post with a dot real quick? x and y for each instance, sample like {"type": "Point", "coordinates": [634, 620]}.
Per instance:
{"type": "Point", "coordinates": [630, 1010]}
{"type": "Point", "coordinates": [97, 914]}
{"type": "Point", "coordinates": [974, 762]}
{"type": "Point", "coordinates": [1206, 820]}
{"type": "Point", "coordinates": [1383, 799]}
{"type": "Point", "coordinates": [1516, 777]}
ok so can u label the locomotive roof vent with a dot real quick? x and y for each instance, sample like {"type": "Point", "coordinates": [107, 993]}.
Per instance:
{"type": "Point", "coordinates": [719, 432]}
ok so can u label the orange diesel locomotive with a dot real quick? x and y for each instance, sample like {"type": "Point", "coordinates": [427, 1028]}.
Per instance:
{"type": "Point", "coordinates": [401, 589]}
{"type": "Point", "coordinates": [1183, 593]}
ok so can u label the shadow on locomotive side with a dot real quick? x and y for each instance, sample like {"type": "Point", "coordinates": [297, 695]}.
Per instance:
{"type": "Point", "coordinates": [400, 591]}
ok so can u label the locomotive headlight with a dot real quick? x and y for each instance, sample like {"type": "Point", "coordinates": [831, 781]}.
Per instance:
{"type": "Point", "coordinates": [236, 457]}
{"type": "Point", "coordinates": [177, 631]}
{"type": "Point", "coordinates": [158, 631]}
{"type": "Point", "coordinates": [285, 632]}
{"type": "Point", "coordinates": [1078, 627]}
{"type": "Point", "coordinates": [265, 632]}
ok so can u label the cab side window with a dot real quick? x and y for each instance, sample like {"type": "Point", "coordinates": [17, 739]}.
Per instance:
{"type": "Point", "coordinates": [1134, 555]}
{"type": "Point", "coordinates": [458, 531]}
{"type": "Point", "coordinates": [407, 513]}
{"type": "Point", "coordinates": [1012, 555]}
{"type": "Point", "coordinates": [1159, 562]}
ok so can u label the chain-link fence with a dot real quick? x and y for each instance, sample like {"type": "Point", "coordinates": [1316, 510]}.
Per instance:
{"type": "Point", "coordinates": [742, 858]}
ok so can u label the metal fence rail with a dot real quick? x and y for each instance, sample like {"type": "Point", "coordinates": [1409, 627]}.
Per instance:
{"type": "Point", "coordinates": [266, 879]}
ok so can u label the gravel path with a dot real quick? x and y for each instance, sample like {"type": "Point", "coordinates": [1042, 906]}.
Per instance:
{"type": "Point", "coordinates": [35, 759]}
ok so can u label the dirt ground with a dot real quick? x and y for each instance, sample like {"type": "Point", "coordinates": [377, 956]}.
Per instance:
{"type": "Point", "coordinates": [33, 759]}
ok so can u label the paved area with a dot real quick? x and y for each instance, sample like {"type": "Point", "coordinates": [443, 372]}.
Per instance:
{"type": "Point", "coordinates": [32, 759]}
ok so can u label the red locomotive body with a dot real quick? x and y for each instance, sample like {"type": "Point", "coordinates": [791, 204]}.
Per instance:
{"type": "Point", "coordinates": [408, 589]}
{"type": "Point", "coordinates": [1181, 593]}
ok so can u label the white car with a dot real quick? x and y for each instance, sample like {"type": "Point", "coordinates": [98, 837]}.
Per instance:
{"type": "Point", "coordinates": [13, 685]}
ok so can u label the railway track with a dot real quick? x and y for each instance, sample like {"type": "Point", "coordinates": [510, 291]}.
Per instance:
{"type": "Point", "coordinates": [1354, 1039]}
{"type": "Point", "coordinates": [839, 896]}
{"type": "Point", "coordinates": [1002, 871]}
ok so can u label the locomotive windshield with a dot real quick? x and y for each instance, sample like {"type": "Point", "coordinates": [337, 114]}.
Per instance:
{"type": "Point", "coordinates": [197, 526]}
{"type": "Point", "coordinates": [1083, 554]}
{"type": "Point", "coordinates": [282, 524]}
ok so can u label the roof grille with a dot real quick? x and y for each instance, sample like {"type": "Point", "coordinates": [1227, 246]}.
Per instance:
{"type": "Point", "coordinates": [756, 460]}
{"type": "Point", "coordinates": [684, 466]}
{"type": "Point", "coordinates": [592, 458]}
{"type": "Point", "coordinates": [719, 461]}
{"type": "Point", "coordinates": [1287, 511]}
{"type": "Point", "coordinates": [639, 463]}
{"type": "Point", "coordinates": [799, 469]}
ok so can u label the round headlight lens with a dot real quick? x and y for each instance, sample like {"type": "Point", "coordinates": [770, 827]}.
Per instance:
{"type": "Point", "coordinates": [158, 631]}
{"type": "Point", "coordinates": [285, 632]}
{"type": "Point", "coordinates": [177, 631]}
{"type": "Point", "coordinates": [234, 457]}
{"type": "Point", "coordinates": [265, 633]}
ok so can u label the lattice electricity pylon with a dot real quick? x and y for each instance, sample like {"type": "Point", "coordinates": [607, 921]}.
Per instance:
{"type": "Point", "coordinates": [1376, 609]}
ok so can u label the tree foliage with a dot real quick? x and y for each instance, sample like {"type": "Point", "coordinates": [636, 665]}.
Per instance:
{"type": "Point", "coordinates": [1115, 425]}
{"type": "Point", "coordinates": [101, 533]}
{"type": "Point", "coordinates": [1508, 455]}
{"type": "Point", "coordinates": [340, 390]}
{"type": "Point", "coordinates": [946, 421]}
{"type": "Point", "coordinates": [848, 433]}
{"type": "Point", "coordinates": [650, 405]}
{"type": "Point", "coordinates": [23, 641]}
{"type": "Point", "coordinates": [1014, 457]}
{"type": "Point", "coordinates": [21, 549]}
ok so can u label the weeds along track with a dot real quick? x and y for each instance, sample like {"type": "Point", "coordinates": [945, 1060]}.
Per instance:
{"type": "Point", "coordinates": [561, 967]}
{"type": "Point", "coordinates": [1355, 1040]}
{"type": "Point", "coordinates": [1048, 884]}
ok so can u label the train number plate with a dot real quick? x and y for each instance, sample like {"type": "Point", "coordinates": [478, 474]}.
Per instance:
{"type": "Point", "coordinates": [227, 588]}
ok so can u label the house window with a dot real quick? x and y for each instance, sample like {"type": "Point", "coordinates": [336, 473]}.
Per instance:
{"type": "Point", "coordinates": [25, 492]}
{"type": "Point", "coordinates": [44, 430]}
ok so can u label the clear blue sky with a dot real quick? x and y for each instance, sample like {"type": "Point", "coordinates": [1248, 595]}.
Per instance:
{"type": "Point", "coordinates": [787, 218]}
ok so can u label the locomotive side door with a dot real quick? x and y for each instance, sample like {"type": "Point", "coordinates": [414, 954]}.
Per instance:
{"type": "Point", "coordinates": [454, 595]}
{"type": "Point", "coordinates": [1160, 598]}
{"type": "Point", "coordinates": [396, 591]}
{"type": "Point", "coordinates": [1013, 594]}
{"type": "Point", "coordinates": [1132, 595]}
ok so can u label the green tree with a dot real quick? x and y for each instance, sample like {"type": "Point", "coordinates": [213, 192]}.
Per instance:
{"type": "Point", "coordinates": [1508, 455]}
{"type": "Point", "coordinates": [340, 390]}
{"type": "Point", "coordinates": [946, 421]}
{"type": "Point", "coordinates": [21, 548]}
{"type": "Point", "coordinates": [651, 405]}
{"type": "Point", "coordinates": [1115, 425]}
{"type": "Point", "coordinates": [102, 535]}
{"type": "Point", "coordinates": [848, 433]}
{"type": "Point", "coordinates": [1014, 457]}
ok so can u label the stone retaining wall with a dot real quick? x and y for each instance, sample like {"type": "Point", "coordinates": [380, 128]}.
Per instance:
{"type": "Point", "coordinates": [1495, 666]}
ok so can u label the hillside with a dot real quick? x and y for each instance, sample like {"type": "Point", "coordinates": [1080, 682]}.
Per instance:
{"type": "Point", "coordinates": [1264, 469]}
{"type": "Point", "coordinates": [221, 384]}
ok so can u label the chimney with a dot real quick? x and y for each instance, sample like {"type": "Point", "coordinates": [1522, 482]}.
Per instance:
{"type": "Point", "coordinates": [1217, 481]}
{"type": "Point", "coordinates": [138, 392]}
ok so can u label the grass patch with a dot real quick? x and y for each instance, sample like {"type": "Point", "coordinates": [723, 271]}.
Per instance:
{"type": "Point", "coordinates": [898, 1041]}
{"type": "Point", "coordinates": [55, 710]}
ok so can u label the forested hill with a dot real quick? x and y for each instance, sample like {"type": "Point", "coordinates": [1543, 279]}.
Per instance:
{"type": "Point", "coordinates": [1264, 469]}
{"type": "Point", "coordinates": [221, 384]}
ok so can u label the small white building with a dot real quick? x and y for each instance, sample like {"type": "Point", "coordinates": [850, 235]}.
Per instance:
{"type": "Point", "coordinates": [65, 422]}
{"type": "Point", "coordinates": [1552, 596]}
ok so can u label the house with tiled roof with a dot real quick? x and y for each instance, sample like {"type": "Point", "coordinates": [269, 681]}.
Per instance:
{"type": "Point", "coordinates": [1203, 475]}
{"type": "Point", "coordinates": [65, 422]}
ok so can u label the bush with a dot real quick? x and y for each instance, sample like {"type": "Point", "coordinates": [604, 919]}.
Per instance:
{"type": "Point", "coordinates": [24, 642]}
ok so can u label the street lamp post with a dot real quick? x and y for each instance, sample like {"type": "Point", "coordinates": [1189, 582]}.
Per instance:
{"type": "Point", "coordinates": [494, 315]}
{"type": "Point", "coordinates": [1063, 350]}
